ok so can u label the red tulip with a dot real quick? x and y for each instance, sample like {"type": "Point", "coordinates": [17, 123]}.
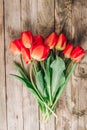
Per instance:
{"type": "Point", "coordinates": [27, 39]}
{"type": "Point", "coordinates": [15, 46]}
{"type": "Point", "coordinates": [68, 50]}
{"type": "Point", "coordinates": [51, 40]}
{"type": "Point", "coordinates": [39, 51]}
{"type": "Point", "coordinates": [61, 42]}
{"type": "Point", "coordinates": [25, 54]}
{"type": "Point", "coordinates": [77, 54]}
{"type": "Point", "coordinates": [38, 38]}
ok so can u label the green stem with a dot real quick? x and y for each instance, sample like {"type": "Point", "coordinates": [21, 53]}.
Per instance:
{"type": "Point", "coordinates": [50, 109]}
{"type": "Point", "coordinates": [39, 94]}
{"type": "Point", "coordinates": [50, 96]}
{"type": "Point", "coordinates": [31, 77]}
{"type": "Point", "coordinates": [33, 83]}
{"type": "Point", "coordinates": [34, 66]}
{"type": "Point", "coordinates": [22, 64]}
{"type": "Point", "coordinates": [41, 98]}
{"type": "Point", "coordinates": [69, 67]}
{"type": "Point", "coordinates": [42, 65]}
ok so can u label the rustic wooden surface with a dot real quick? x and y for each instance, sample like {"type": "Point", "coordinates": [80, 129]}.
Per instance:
{"type": "Point", "coordinates": [18, 109]}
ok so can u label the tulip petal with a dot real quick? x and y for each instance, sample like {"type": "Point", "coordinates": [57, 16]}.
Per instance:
{"type": "Point", "coordinates": [27, 39]}
{"type": "Point", "coordinates": [25, 54]}
{"type": "Point", "coordinates": [46, 52]}
{"type": "Point", "coordinates": [39, 51]}
{"type": "Point", "coordinates": [51, 40]}
{"type": "Point", "coordinates": [15, 46]}
{"type": "Point", "coordinates": [77, 54]}
{"type": "Point", "coordinates": [68, 50]}
{"type": "Point", "coordinates": [61, 42]}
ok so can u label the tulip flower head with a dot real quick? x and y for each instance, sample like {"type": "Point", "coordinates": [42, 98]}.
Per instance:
{"type": "Point", "coordinates": [39, 51]}
{"type": "Point", "coordinates": [51, 40]}
{"type": "Point", "coordinates": [67, 51]}
{"type": "Point", "coordinates": [15, 46]}
{"type": "Point", "coordinates": [61, 42]}
{"type": "Point", "coordinates": [77, 54]}
{"type": "Point", "coordinates": [27, 39]}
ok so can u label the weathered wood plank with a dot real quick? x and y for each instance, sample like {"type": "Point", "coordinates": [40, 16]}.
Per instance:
{"type": "Point", "coordinates": [63, 24]}
{"type": "Point", "coordinates": [76, 16]}
{"type": "Point", "coordinates": [72, 105]}
{"type": "Point", "coordinates": [63, 19]}
{"type": "Point", "coordinates": [70, 18]}
{"type": "Point", "coordinates": [59, 23]}
{"type": "Point", "coordinates": [79, 83]}
{"type": "Point", "coordinates": [45, 27]}
{"type": "Point", "coordinates": [30, 107]}
{"type": "Point", "coordinates": [14, 87]}
{"type": "Point", "coordinates": [82, 69]}
{"type": "Point", "coordinates": [50, 124]}
{"type": "Point", "coordinates": [3, 123]}
{"type": "Point", "coordinates": [45, 17]}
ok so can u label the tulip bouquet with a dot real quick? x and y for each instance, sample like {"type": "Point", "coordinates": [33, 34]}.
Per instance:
{"type": "Point", "coordinates": [51, 62]}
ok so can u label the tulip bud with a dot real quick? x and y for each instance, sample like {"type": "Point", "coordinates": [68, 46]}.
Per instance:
{"type": "Point", "coordinates": [15, 46]}
{"type": "Point", "coordinates": [39, 51]}
{"type": "Point", "coordinates": [67, 51]}
{"type": "Point", "coordinates": [27, 39]}
{"type": "Point", "coordinates": [77, 54]}
{"type": "Point", "coordinates": [25, 54]}
{"type": "Point", "coordinates": [61, 42]}
{"type": "Point", "coordinates": [51, 40]}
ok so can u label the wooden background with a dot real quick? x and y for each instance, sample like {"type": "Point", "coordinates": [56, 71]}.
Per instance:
{"type": "Point", "coordinates": [18, 109]}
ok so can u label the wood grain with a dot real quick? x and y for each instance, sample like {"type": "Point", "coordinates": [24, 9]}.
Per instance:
{"type": "Point", "coordinates": [14, 87]}
{"type": "Point", "coordinates": [79, 88]}
{"type": "Point", "coordinates": [81, 70]}
{"type": "Point", "coordinates": [63, 14]}
{"type": "Point", "coordinates": [45, 27]}
{"type": "Point", "coordinates": [30, 107]}
{"type": "Point", "coordinates": [70, 108]}
{"type": "Point", "coordinates": [3, 121]}
{"type": "Point", "coordinates": [18, 108]}
{"type": "Point", "coordinates": [45, 17]}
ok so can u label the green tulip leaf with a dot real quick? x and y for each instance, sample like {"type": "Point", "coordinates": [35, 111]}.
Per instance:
{"type": "Point", "coordinates": [48, 77]}
{"type": "Point", "coordinates": [21, 71]}
{"type": "Point", "coordinates": [28, 85]}
{"type": "Point", "coordinates": [40, 83]}
{"type": "Point", "coordinates": [58, 77]}
{"type": "Point", "coordinates": [61, 88]}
